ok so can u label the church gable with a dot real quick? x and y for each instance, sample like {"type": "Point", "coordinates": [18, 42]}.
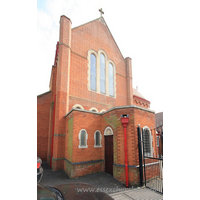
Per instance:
{"type": "Point", "coordinates": [102, 85]}
{"type": "Point", "coordinates": [95, 35]}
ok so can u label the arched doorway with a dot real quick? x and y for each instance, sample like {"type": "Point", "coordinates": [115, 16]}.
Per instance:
{"type": "Point", "coordinates": [108, 138]}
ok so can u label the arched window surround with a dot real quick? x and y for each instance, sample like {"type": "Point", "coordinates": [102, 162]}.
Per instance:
{"type": "Point", "coordinates": [107, 61]}
{"type": "Point", "coordinates": [102, 111]}
{"type": "Point", "coordinates": [93, 72]}
{"type": "Point", "coordinates": [89, 66]}
{"type": "Point", "coordinates": [86, 138]}
{"type": "Point", "coordinates": [109, 81]}
{"type": "Point", "coordinates": [94, 109]}
{"type": "Point", "coordinates": [102, 73]}
{"type": "Point", "coordinates": [78, 106]}
{"type": "Point", "coordinates": [108, 129]}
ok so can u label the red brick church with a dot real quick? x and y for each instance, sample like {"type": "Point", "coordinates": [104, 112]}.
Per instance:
{"type": "Point", "coordinates": [82, 118]}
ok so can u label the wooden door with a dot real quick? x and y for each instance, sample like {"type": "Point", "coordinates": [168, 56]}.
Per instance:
{"type": "Point", "coordinates": [109, 154]}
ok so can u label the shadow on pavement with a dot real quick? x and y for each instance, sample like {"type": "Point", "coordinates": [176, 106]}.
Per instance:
{"type": "Point", "coordinates": [99, 180]}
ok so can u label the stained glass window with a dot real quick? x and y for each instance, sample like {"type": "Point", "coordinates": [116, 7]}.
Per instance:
{"type": "Point", "coordinates": [147, 142]}
{"type": "Point", "coordinates": [111, 80]}
{"type": "Point", "coordinates": [97, 138]}
{"type": "Point", "coordinates": [83, 138]}
{"type": "Point", "coordinates": [102, 74]}
{"type": "Point", "coordinates": [93, 72]}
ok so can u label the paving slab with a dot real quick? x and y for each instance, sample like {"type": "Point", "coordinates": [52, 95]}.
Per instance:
{"type": "Point", "coordinates": [137, 194]}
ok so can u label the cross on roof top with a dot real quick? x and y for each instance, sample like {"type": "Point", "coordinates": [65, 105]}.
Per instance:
{"type": "Point", "coordinates": [101, 11]}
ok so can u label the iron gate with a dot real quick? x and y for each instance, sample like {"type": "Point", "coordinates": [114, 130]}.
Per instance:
{"type": "Point", "coordinates": [151, 168]}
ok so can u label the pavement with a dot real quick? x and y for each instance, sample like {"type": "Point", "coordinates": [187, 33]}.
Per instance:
{"type": "Point", "coordinates": [101, 180]}
{"type": "Point", "coordinates": [137, 193]}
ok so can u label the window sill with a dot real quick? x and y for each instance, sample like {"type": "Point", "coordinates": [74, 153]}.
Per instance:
{"type": "Point", "coordinates": [97, 146]}
{"type": "Point", "coordinates": [82, 147]}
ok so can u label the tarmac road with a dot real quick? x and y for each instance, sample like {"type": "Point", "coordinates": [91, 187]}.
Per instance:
{"type": "Point", "coordinates": [100, 180]}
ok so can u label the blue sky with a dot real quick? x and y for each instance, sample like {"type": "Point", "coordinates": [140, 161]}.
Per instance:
{"type": "Point", "coordinates": [152, 33]}
{"type": "Point", "coordinates": [41, 4]}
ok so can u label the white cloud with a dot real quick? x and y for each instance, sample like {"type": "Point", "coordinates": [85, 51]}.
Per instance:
{"type": "Point", "coordinates": [44, 20]}
{"type": "Point", "coordinates": [59, 7]}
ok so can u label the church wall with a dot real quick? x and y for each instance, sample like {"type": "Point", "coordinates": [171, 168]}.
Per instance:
{"type": "Point", "coordinates": [62, 92]}
{"type": "Point", "coordinates": [91, 123]}
{"type": "Point", "coordinates": [95, 36]}
{"type": "Point", "coordinates": [50, 133]}
{"type": "Point", "coordinates": [141, 102]}
{"type": "Point", "coordinates": [129, 82]}
{"type": "Point", "coordinates": [72, 72]}
{"type": "Point", "coordinates": [52, 88]}
{"type": "Point", "coordinates": [87, 104]}
{"type": "Point", "coordinates": [145, 118]}
{"type": "Point", "coordinates": [74, 170]}
{"type": "Point", "coordinates": [81, 161]}
{"type": "Point", "coordinates": [113, 119]}
{"type": "Point", "coordinates": [43, 115]}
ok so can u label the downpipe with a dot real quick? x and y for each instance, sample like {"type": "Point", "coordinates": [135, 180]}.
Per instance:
{"type": "Point", "coordinates": [124, 121]}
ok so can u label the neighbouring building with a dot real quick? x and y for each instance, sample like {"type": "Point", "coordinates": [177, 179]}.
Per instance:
{"type": "Point", "coordinates": [159, 130]}
{"type": "Point", "coordinates": [89, 105]}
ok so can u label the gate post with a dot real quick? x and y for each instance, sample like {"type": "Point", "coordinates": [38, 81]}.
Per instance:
{"type": "Point", "coordinates": [140, 154]}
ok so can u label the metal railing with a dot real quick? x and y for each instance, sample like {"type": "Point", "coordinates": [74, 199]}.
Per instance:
{"type": "Point", "coordinates": [151, 168]}
{"type": "Point", "coordinates": [153, 173]}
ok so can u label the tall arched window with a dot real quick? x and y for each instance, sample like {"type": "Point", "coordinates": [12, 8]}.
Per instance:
{"type": "Point", "coordinates": [92, 72]}
{"type": "Point", "coordinates": [97, 139]}
{"type": "Point", "coordinates": [111, 80]}
{"type": "Point", "coordinates": [147, 141]}
{"type": "Point", "coordinates": [83, 136]}
{"type": "Point", "coordinates": [102, 74]}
